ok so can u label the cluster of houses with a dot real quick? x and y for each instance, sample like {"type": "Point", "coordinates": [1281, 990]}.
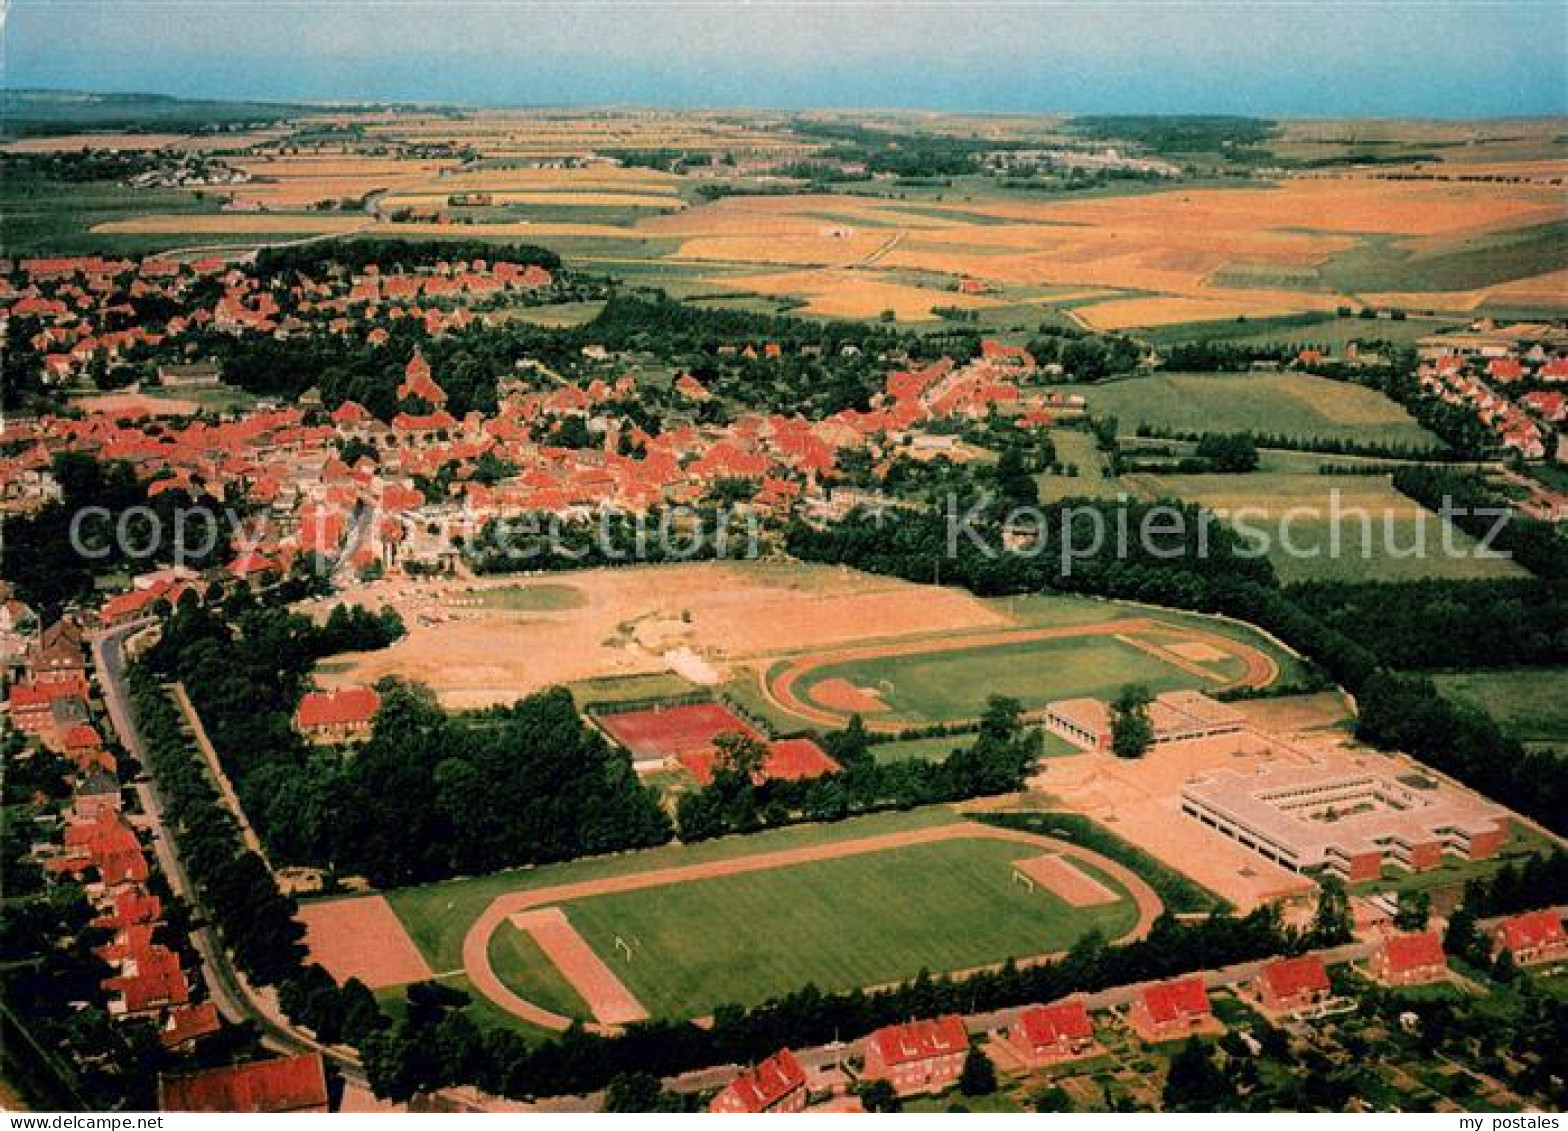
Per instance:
{"type": "Point", "coordinates": [1514, 378]}
{"type": "Point", "coordinates": [85, 308]}
{"type": "Point", "coordinates": [926, 1057]}
{"type": "Point", "coordinates": [99, 850]}
{"type": "Point", "coordinates": [380, 511]}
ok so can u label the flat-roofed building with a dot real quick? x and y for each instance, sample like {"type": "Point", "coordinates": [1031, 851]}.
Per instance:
{"type": "Point", "coordinates": [1176, 716]}
{"type": "Point", "coordinates": [1346, 815]}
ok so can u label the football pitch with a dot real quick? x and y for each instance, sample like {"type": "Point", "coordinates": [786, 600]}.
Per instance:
{"type": "Point", "coordinates": [854, 921]}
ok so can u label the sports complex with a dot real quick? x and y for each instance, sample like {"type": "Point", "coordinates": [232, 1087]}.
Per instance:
{"type": "Point", "coordinates": [674, 932]}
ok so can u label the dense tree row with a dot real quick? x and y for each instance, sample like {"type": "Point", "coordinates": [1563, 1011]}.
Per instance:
{"type": "Point", "coordinates": [1405, 712]}
{"type": "Point", "coordinates": [537, 541]}
{"type": "Point", "coordinates": [1430, 624]}
{"type": "Point", "coordinates": [1478, 510]}
{"type": "Point", "coordinates": [254, 920]}
{"type": "Point", "coordinates": [353, 256]}
{"type": "Point", "coordinates": [429, 795]}
{"type": "Point", "coordinates": [997, 761]}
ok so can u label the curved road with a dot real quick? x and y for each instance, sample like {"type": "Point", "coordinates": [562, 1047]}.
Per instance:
{"type": "Point", "coordinates": [476, 943]}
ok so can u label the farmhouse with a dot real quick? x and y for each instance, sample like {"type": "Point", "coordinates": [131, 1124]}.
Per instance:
{"type": "Point", "coordinates": [1344, 815]}
{"type": "Point", "coordinates": [1410, 960]}
{"type": "Point", "coordinates": [1532, 939]}
{"type": "Point", "coordinates": [922, 1056]}
{"type": "Point", "coordinates": [1291, 985]}
{"type": "Point", "coordinates": [778, 1084]}
{"type": "Point", "coordinates": [1051, 1034]}
{"type": "Point", "coordinates": [1177, 716]}
{"type": "Point", "coordinates": [295, 1083]}
{"type": "Point", "coordinates": [337, 716]}
{"type": "Point", "coordinates": [1168, 1011]}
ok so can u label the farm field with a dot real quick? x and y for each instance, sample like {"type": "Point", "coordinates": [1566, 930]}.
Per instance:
{"type": "Point", "coordinates": [1531, 704]}
{"type": "Point", "coordinates": [1126, 256]}
{"type": "Point", "coordinates": [1334, 527]}
{"type": "Point", "coordinates": [1297, 405]}
{"type": "Point", "coordinates": [855, 921]}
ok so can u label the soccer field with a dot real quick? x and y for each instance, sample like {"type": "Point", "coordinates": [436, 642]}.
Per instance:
{"type": "Point", "coordinates": [954, 684]}
{"type": "Point", "coordinates": [842, 923]}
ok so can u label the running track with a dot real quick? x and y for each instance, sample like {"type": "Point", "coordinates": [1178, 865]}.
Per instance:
{"type": "Point", "coordinates": [476, 944]}
{"type": "Point", "coordinates": [1260, 668]}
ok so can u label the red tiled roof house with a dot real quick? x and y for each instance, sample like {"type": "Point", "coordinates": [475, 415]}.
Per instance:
{"type": "Point", "coordinates": [778, 1084]}
{"type": "Point", "coordinates": [922, 1056]}
{"type": "Point", "coordinates": [1051, 1034]}
{"type": "Point", "coordinates": [1409, 960]}
{"type": "Point", "coordinates": [337, 716]}
{"type": "Point", "coordinates": [1169, 1011]}
{"type": "Point", "coordinates": [1533, 939]}
{"type": "Point", "coordinates": [296, 1083]}
{"type": "Point", "coordinates": [1289, 985]}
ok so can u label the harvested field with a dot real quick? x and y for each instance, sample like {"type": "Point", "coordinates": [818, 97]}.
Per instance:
{"type": "Point", "coordinates": [245, 223]}
{"type": "Point", "coordinates": [71, 143]}
{"type": "Point", "coordinates": [361, 938]}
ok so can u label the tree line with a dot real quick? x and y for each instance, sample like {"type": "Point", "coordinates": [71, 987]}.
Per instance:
{"type": "Point", "coordinates": [429, 795]}
{"type": "Point", "coordinates": [739, 800]}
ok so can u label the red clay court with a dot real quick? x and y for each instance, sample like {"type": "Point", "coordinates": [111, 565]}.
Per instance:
{"type": "Point", "coordinates": [669, 732]}
{"type": "Point", "coordinates": [789, 759]}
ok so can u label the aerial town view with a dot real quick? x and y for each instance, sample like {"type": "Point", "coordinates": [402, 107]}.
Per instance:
{"type": "Point", "coordinates": [712, 557]}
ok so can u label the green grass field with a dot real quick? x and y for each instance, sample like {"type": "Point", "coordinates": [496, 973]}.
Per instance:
{"type": "Point", "coordinates": [940, 746]}
{"type": "Point", "coordinates": [41, 215]}
{"type": "Point", "coordinates": [1531, 704]}
{"type": "Point", "coordinates": [1297, 405]}
{"type": "Point", "coordinates": [522, 598]}
{"type": "Point", "coordinates": [438, 915]}
{"type": "Point", "coordinates": [1307, 542]}
{"type": "Point", "coordinates": [857, 921]}
{"type": "Point", "coordinates": [1464, 263]}
{"type": "Point", "coordinates": [935, 687]}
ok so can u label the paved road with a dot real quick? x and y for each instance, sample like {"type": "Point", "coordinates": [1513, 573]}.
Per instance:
{"type": "Point", "coordinates": [235, 999]}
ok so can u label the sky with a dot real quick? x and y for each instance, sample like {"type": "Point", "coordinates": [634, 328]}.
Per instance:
{"type": "Point", "coordinates": [1388, 58]}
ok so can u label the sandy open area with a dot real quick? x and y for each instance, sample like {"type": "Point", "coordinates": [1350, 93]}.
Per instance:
{"type": "Point", "coordinates": [1139, 801]}
{"type": "Point", "coordinates": [362, 938]}
{"type": "Point", "coordinates": [628, 619]}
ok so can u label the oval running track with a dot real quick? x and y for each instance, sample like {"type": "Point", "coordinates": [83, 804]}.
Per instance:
{"type": "Point", "coordinates": [476, 943]}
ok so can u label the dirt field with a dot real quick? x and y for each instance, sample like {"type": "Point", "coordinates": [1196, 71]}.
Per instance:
{"type": "Point", "coordinates": [669, 732]}
{"type": "Point", "coordinates": [633, 622]}
{"type": "Point", "coordinates": [607, 997]}
{"type": "Point", "coordinates": [362, 938]}
{"type": "Point", "coordinates": [1065, 880]}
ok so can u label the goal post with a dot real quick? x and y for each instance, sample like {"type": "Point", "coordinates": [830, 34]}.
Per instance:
{"type": "Point", "coordinates": [623, 947]}
{"type": "Point", "coordinates": [1023, 880]}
